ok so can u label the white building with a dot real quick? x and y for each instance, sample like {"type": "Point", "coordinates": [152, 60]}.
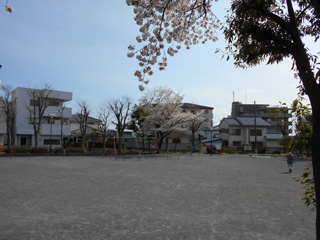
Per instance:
{"type": "Point", "coordinates": [207, 115]}
{"type": "Point", "coordinates": [50, 130]}
{"type": "Point", "coordinates": [182, 140]}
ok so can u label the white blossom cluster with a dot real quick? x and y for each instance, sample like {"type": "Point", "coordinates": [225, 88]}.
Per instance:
{"type": "Point", "coordinates": [166, 115]}
{"type": "Point", "coordinates": [166, 26]}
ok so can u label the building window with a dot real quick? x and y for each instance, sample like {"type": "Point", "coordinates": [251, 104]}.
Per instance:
{"type": "Point", "coordinates": [235, 132]}
{"type": "Point", "coordinates": [225, 143]}
{"type": "Point", "coordinates": [236, 143]}
{"type": "Point", "coordinates": [90, 123]}
{"type": "Point", "coordinates": [206, 111]}
{"type": "Point", "coordinates": [252, 132]}
{"type": "Point", "coordinates": [53, 142]}
{"type": "Point", "coordinates": [34, 102]}
{"type": "Point", "coordinates": [176, 140]}
{"type": "Point", "coordinates": [54, 103]}
{"type": "Point", "coordinates": [51, 121]}
{"type": "Point", "coordinates": [259, 144]}
{"type": "Point", "coordinates": [224, 130]}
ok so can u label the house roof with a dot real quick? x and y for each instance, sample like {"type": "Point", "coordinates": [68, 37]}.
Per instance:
{"type": "Point", "coordinates": [250, 121]}
{"type": "Point", "coordinates": [231, 121]}
{"type": "Point", "coordinates": [74, 118]}
{"type": "Point", "coordinates": [195, 106]}
{"type": "Point", "coordinates": [246, 121]}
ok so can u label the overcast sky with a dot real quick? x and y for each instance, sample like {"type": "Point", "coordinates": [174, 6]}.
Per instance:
{"type": "Point", "coordinates": [81, 47]}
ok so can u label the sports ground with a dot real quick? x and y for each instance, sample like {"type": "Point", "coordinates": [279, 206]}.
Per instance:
{"type": "Point", "coordinates": [181, 197]}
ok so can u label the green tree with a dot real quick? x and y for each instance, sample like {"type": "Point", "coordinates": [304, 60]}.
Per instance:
{"type": "Point", "coordinates": [302, 123]}
{"type": "Point", "coordinates": [136, 122]}
{"type": "Point", "coordinates": [280, 115]}
{"type": "Point", "coordinates": [271, 30]}
{"type": "Point", "coordinates": [286, 142]}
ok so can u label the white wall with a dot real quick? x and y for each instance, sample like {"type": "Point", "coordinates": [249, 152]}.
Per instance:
{"type": "Point", "coordinates": [25, 129]}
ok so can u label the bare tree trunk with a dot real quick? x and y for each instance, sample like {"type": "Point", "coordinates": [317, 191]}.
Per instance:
{"type": "Point", "coordinates": [167, 144]}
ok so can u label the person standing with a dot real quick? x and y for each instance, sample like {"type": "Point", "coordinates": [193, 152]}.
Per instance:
{"type": "Point", "coordinates": [290, 161]}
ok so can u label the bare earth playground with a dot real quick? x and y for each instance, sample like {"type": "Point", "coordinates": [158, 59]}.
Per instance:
{"type": "Point", "coordinates": [190, 197]}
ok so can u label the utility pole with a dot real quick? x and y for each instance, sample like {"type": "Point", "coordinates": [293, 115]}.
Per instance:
{"type": "Point", "coordinates": [255, 129]}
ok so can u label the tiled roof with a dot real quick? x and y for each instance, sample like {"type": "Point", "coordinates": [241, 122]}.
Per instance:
{"type": "Point", "coordinates": [246, 121]}
{"type": "Point", "coordinates": [231, 121]}
{"type": "Point", "coordinates": [249, 121]}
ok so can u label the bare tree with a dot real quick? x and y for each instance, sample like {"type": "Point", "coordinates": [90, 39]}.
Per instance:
{"type": "Point", "coordinates": [82, 119]}
{"type": "Point", "coordinates": [120, 108]}
{"type": "Point", "coordinates": [63, 120]}
{"type": "Point", "coordinates": [104, 117]}
{"type": "Point", "coordinates": [7, 109]}
{"type": "Point", "coordinates": [39, 101]}
{"type": "Point", "coordinates": [195, 125]}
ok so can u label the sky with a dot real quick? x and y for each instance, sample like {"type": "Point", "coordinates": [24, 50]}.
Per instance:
{"type": "Point", "coordinates": [82, 46]}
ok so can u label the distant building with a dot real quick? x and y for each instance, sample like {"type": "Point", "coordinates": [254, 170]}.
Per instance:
{"type": "Point", "coordinates": [50, 130]}
{"type": "Point", "coordinates": [272, 124]}
{"type": "Point", "coordinates": [207, 115]}
{"type": "Point", "coordinates": [181, 140]}
{"type": "Point", "coordinates": [240, 132]}
{"type": "Point", "coordinates": [92, 127]}
{"type": "Point", "coordinates": [278, 117]}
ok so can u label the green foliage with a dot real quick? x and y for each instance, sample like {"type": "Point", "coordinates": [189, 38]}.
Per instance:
{"type": "Point", "coordinates": [269, 30]}
{"type": "Point", "coordinates": [17, 149]}
{"type": "Point", "coordinates": [137, 117]}
{"type": "Point", "coordinates": [95, 135]}
{"type": "Point", "coordinates": [280, 116]}
{"type": "Point", "coordinates": [307, 181]}
{"type": "Point", "coordinates": [286, 142]}
{"type": "Point", "coordinates": [229, 150]}
{"type": "Point", "coordinates": [302, 124]}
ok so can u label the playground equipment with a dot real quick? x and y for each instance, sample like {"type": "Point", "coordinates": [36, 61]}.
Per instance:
{"type": "Point", "coordinates": [199, 144]}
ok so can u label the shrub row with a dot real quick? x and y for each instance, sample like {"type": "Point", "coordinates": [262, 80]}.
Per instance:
{"type": "Point", "coordinates": [25, 150]}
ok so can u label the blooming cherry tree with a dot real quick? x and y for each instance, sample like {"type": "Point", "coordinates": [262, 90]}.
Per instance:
{"type": "Point", "coordinates": [166, 26]}
{"type": "Point", "coordinates": [166, 113]}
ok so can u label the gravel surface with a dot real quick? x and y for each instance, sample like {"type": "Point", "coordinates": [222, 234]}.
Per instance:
{"type": "Point", "coordinates": [187, 197]}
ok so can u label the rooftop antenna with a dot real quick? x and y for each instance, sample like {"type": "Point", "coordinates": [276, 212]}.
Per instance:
{"type": "Point", "coordinates": [233, 96]}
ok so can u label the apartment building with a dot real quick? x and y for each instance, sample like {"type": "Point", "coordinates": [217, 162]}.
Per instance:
{"type": "Point", "coordinates": [53, 122]}
{"type": "Point", "coordinates": [182, 140]}
{"type": "Point", "coordinates": [278, 117]}
{"type": "Point", "coordinates": [207, 115]}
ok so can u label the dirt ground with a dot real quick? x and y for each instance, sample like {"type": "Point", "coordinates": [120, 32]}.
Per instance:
{"type": "Point", "coordinates": [186, 197]}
